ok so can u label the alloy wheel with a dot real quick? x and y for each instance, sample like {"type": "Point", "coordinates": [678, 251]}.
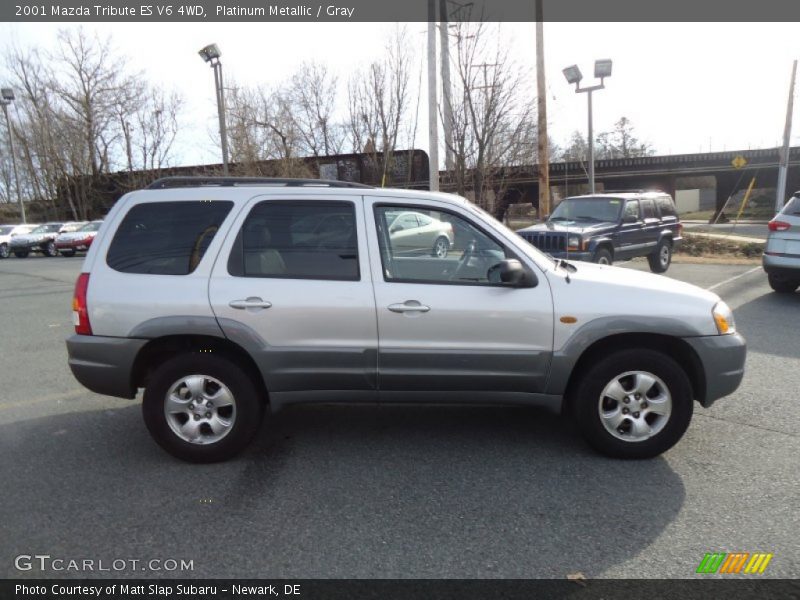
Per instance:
{"type": "Point", "coordinates": [200, 409]}
{"type": "Point", "coordinates": [635, 406]}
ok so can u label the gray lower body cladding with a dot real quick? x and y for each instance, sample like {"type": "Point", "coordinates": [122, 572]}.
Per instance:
{"type": "Point", "coordinates": [722, 358]}
{"type": "Point", "coordinates": [104, 364]}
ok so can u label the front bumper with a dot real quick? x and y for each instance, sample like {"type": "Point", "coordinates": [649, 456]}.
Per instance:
{"type": "Point", "coordinates": [104, 364]}
{"type": "Point", "coordinates": [722, 359]}
{"type": "Point", "coordinates": [74, 245]}
{"type": "Point", "coordinates": [585, 256]}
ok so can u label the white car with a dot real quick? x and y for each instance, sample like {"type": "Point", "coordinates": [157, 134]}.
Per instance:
{"type": "Point", "coordinates": [226, 301]}
{"type": "Point", "coordinates": [9, 231]}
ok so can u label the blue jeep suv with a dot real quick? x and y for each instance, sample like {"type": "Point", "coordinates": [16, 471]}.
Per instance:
{"type": "Point", "coordinates": [610, 226]}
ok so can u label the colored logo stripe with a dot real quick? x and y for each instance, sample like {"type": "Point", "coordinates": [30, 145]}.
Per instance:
{"type": "Point", "coordinates": [723, 562]}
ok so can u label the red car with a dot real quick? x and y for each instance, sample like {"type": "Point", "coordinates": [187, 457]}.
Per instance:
{"type": "Point", "coordinates": [77, 241]}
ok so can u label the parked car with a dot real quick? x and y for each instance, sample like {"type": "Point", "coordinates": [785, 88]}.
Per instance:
{"type": "Point", "coordinates": [781, 258]}
{"type": "Point", "coordinates": [42, 239]}
{"type": "Point", "coordinates": [414, 232]}
{"type": "Point", "coordinates": [196, 291]}
{"type": "Point", "coordinates": [71, 226]}
{"type": "Point", "coordinates": [10, 231]}
{"type": "Point", "coordinates": [606, 227]}
{"type": "Point", "coordinates": [77, 241]}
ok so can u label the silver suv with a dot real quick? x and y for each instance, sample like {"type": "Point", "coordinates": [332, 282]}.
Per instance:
{"type": "Point", "coordinates": [781, 259]}
{"type": "Point", "coordinates": [226, 298]}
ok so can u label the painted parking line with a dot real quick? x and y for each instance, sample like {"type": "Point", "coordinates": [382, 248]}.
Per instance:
{"type": "Point", "coordinates": [734, 278]}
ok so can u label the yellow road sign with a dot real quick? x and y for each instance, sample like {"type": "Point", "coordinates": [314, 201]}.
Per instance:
{"type": "Point", "coordinates": [739, 162]}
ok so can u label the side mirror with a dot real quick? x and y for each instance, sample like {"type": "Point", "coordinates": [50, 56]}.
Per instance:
{"type": "Point", "coordinates": [511, 273]}
{"type": "Point", "coordinates": [394, 229]}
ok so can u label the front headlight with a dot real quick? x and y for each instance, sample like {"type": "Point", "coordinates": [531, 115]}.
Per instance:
{"type": "Point", "coordinates": [574, 242]}
{"type": "Point", "coordinates": [723, 318]}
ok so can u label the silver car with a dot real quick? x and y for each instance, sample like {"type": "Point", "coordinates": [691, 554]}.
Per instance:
{"type": "Point", "coordinates": [781, 258]}
{"type": "Point", "coordinates": [414, 232]}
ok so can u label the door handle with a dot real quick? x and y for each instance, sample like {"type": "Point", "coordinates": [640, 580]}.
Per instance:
{"type": "Point", "coordinates": [409, 306]}
{"type": "Point", "coordinates": [252, 302]}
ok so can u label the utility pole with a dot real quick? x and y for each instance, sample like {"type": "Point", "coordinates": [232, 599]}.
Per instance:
{"type": "Point", "coordinates": [543, 150]}
{"type": "Point", "coordinates": [8, 98]}
{"type": "Point", "coordinates": [447, 104]}
{"type": "Point", "coordinates": [433, 121]}
{"type": "Point", "coordinates": [783, 168]}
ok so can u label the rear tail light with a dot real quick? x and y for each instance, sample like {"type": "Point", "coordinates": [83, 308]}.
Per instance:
{"type": "Point", "coordinates": [80, 310]}
{"type": "Point", "coordinates": [778, 226]}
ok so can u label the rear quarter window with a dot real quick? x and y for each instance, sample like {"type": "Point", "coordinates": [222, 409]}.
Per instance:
{"type": "Point", "coordinates": [166, 238]}
{"type": "Point", "coordinates": [666, 207]}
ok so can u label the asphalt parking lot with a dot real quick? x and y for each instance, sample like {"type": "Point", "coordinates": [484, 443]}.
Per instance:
{"type": "Point", "coordinates": [386, 491]}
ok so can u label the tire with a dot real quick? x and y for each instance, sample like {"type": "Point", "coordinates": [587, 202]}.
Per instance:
{"type": "Point", "coordinates": [782, 285]}
{"type": "Point", "coordinates": [67, 252]}
{"type": "Point", "coordinates": [21, 253]}
{"type": "Point", "coordinates": [4, 253]}
{"type": "Point", "coordinates": [50, 249]}
{"type": "Point", "coordinates": [602, 256]}
{"type": "Point", "coordinates": [661, 258]}
{"type": "Point", "coordinates": [590, 398]}
{"type": "Point", "coordinates": [237, 422]}
{"type": "Point", "coordinates": [441, 247]}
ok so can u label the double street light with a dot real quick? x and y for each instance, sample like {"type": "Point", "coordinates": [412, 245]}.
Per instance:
{"type": "Point", "coordinates": [6, 98]}
{"type": "Point", "coordinates": [602, 69]}
{"type": "Point", "coordinates": [211, 55]}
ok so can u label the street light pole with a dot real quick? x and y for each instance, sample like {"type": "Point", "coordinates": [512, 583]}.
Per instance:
{"type": "Point", "coordinates": [211, 55]}
{"type": "Point", "coordinates": [602, 69]}
{"type": "Point", "coordinates": [7, 98]}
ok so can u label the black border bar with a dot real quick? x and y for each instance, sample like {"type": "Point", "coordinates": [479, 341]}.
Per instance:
{"type": "Point", "coordinates": [734, 588]}
{"type": "Point", "coordinates": [150, 11]}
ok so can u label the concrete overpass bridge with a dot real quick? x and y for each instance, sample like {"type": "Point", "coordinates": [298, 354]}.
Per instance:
{"type": "Point", "coordinates": [732, 171]}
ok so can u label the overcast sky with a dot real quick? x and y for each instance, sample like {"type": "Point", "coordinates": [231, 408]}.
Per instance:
{"type": "Point", "coordinates": [686, 87]}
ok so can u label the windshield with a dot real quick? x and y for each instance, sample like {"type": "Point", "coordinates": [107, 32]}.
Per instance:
{"type": "Point", "coordinates": [587, 209]}
{"type": "Point", "coordinates": [5, 230]}
{"type": "Point", "coordinates": [47, 228]}
{"type": "Point", "coordinates": [91, 226]}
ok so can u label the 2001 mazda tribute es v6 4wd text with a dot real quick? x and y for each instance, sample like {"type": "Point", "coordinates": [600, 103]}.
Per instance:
{"type": "Point", "coordinates": [215, 296]}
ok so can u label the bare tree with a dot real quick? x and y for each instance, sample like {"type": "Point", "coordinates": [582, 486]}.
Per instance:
{"type": "Point", "coordinates": [494, 124]}
{"type": "Point", "coordinates": [312, 95]}
{"type": "Point", "coordinates": [621, 142]}
{"type": "Point", "coordinates": [378, 106]}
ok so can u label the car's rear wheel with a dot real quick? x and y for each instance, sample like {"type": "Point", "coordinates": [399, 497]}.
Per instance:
{"type": "Point", "coordinates": [21, 253]}
{"type": "Point", "coordinates": [67, 252]}
{"type": "Point", "coordinates": [50, 249]}
{"type": "Point", "coordinates": [633, 403]}
{"type": "Point", "coordinates": [602, 256]}
{"type": "Point", "coordinates": [782, 284]}
{"type": "Point", "coordinates": [202, 408]}
{"type": "Point", "coordinates": [441, 247]}
{"type": "Point", "coordinates": [4, 251]}
{"type": "Point", "coordinates": [661, 258]}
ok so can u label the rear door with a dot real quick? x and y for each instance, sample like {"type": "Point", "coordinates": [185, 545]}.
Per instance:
{"type": "Point", "coordinates": [652, 225]}
{"type": "Point", "coordinates": [445, 324]}
{"type": "Point", "coordinates": [292, 285]}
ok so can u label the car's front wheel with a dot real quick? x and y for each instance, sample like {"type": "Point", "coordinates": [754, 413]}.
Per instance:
{"type": "Point", "coordinates": [633, 403]}
{"type": "Point", "coordinates": [781, 284]}
{"type": "Point", "coordinates": [50, 249]}
{"type": "Point", "coordinates": [661, 258]}
{"type": "Point", "coordinates": [4, 251]}
{"type": "Point", "coordinates": [202, 408]}
{"type": "Point", "coordinates": [441, 247]}
{"type": "Point", "coordinates": [602, 256]}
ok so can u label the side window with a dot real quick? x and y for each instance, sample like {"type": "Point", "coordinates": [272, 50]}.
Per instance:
{"type": "Point", "coordinates": [297, 240]}
{"type": "Point", "coordinates": [648, 208]}
{"type": "Point", "coordinates": [166, 238]}
{"type": "Point", "coordinates": [665, 206]}
{"type": "Point", "coordinates": [445, 249]}
{"type": "Point", "coordinates": [631, 211]}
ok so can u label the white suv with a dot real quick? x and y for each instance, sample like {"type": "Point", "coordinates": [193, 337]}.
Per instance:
{"type": "Point", "coordinates": [209, 295]}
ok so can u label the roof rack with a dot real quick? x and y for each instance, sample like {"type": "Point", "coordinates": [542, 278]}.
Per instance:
{"type": "Point", "coordinates": [629, 192]}
{"type": "Point", "coordinates": [200, 181]}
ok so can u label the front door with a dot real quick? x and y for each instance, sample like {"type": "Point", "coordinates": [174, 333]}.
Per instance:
{"type": "Point", "coordinates": [448, 324]}
{"type": "Point", "coordinates": [292, 285]}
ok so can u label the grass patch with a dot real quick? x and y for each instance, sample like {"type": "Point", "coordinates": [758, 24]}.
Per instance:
{"type": "Point", "coordinates": [698, 245]}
